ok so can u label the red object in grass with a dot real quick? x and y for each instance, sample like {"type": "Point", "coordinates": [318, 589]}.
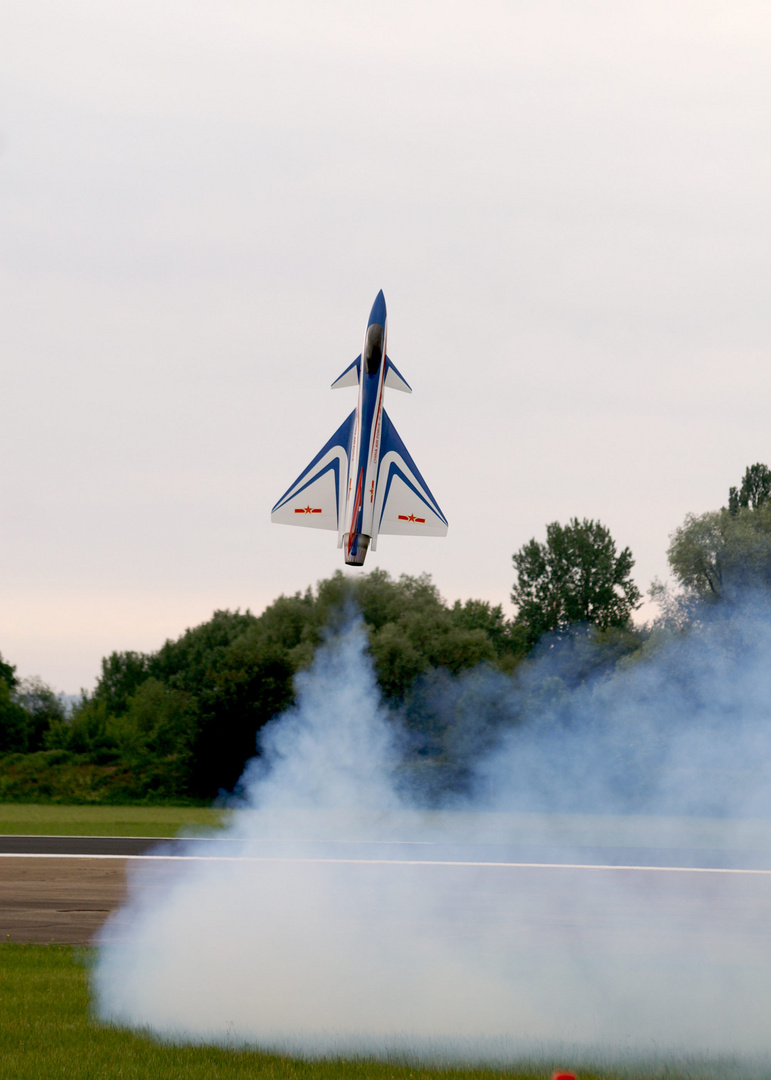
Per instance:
{"type": "Point", "coordinates": [563, 1076]}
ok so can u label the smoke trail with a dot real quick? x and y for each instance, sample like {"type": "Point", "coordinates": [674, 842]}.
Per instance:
{"type": "Point", "coordinates": [378, 928]}
{"type": "Point", "coordinates": [686, 730]}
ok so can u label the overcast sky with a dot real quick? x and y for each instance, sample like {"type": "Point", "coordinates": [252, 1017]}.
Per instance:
{"type": "Point", "coordinates": [566, 203]}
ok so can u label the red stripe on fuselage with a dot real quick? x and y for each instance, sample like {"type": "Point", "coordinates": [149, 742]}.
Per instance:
{"type": "Point", "coordinates": [356, 505]}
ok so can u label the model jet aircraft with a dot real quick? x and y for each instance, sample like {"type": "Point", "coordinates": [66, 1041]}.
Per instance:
{"type": "Point", "coordinates": [364, 482]}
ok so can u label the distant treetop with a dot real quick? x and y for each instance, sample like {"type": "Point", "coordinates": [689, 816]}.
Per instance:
{"type": "Point", "coordinates": [754, 491]}
{"type": "Point", "coordinates": [716, 554]}
{"type": "Point", "coordinates": [575, 577]}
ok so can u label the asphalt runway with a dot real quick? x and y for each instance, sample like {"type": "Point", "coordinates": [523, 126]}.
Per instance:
{"type": "Point", "coordinates": [397, 851]}
{"type": "Point", "coordinates": [61, 889]}
{"type": "Point", "coordinates": [58, 901]}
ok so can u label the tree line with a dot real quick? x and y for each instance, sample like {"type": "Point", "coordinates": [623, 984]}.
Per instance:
{"type": "Point", "coordinates": [179, 723]}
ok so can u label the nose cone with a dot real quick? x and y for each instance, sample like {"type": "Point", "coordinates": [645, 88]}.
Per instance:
{"type": "Point", "coordinates": [377, 316]}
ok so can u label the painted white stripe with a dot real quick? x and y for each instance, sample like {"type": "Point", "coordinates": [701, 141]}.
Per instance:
{"type": "Point", "coordinates": [402, 862]}
{"type": "Point", "coordinates": [96, 836]}
{"type": "Point", "coordinates": [228, 840]}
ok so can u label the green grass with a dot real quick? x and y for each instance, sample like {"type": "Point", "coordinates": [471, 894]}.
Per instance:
{"type": "Point", "coordinates": [61, 776]}
{"type": "Point", "coordinates": [47, 1033]}
{"type": "Point", "coordinates": [17, 819]}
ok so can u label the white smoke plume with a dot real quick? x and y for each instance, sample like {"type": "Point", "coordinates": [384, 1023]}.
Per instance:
{"type": "Point", "coordinates": [347, 921]}
{"type": "Point", "coordinates": [686, 730]}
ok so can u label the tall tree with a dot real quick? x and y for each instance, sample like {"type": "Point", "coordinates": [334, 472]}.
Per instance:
{"type": "Point", "coordinates": [577, 576]}
{"type": "Point", "coordinates": [8, 674]}
{"type": "Point", "coordinates": [754, 491]}
{"type": "Point", "coordinates": [13, 719]}
{"type": "Point", "coordinates": [715, 554]}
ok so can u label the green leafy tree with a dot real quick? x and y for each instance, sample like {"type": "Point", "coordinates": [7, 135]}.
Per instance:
{"type": "Point", "coordinates": [87, 731]}
{"type": "Point", "coordinates": [27, 710]}
{"type": "Point", "coordinates": [156, 736]}
{"type": "Point", "coordinates": [122, 674]}
{"type": "Point", "coordinates": [411, 629]}
{"type": "Point", "coordinates": [397, 661]}
{"type": "Point", "coordinates": [13, 722]}
{"type": "Point", "coordinates": [43, 711]}
{"type": "Point", "coordinates": [13, 728]}
{"type": "Point", "coordinates": [507, 638]}
{"type": "Point", "coordinates": [755, 489]}
{"type": "Point", "coordinates": [714, 554]}
{"type": "Point", "coordinates": [577, 576]}
{"type": "Point", "coordinates": [8, 674]}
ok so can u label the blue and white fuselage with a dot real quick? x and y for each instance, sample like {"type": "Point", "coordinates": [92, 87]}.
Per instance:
{"type": "Point", "coordinates": [364, 482]}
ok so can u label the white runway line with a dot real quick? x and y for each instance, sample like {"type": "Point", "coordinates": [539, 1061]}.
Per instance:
{"type": "Point", "coordinates": [401, 862]}
{"type": "Point", "coordinates": [210, 839]}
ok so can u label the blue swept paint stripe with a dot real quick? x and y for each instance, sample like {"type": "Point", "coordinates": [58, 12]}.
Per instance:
{"type": "Point", "coordinates": [394, 470]}
{"type": "Point", "coordinates": [390, 441]}
{"type": "Point", "coordinates": [335, 466]}
{"type": "Point", "coordinates": [342, 438]}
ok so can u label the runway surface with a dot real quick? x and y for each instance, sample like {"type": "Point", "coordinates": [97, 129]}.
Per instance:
{"type": "Point", "coordinates": [589, 856]}
{"type": "Point", "coordinates": [61, 889]}
{"type": "Point", "coordinates": [58, 901]}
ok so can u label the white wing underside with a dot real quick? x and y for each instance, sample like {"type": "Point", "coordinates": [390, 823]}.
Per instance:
{"type": "Point", "coordinates": [403, 505]}
{"type": "Point", "coordinates": [315, 501]}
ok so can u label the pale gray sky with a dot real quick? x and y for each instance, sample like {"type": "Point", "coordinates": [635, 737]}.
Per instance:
{"type": "Point", "coordinates": [566, 204]}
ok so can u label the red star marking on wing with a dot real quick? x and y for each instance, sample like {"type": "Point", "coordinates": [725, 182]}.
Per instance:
{"type": "Point", "coordinates": [417, 520]}
{"type": "Point", "coordinates": [307, 510]}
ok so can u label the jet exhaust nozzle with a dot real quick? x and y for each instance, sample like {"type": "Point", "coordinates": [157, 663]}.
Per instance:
{"type": "Point", "coordinates": [357, 553]}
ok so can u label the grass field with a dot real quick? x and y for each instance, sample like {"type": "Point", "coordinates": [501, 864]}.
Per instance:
{"type": "Point", "coordinates": [17, 819]}
{"type": "Point", "coordinates": [46, 1033]}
